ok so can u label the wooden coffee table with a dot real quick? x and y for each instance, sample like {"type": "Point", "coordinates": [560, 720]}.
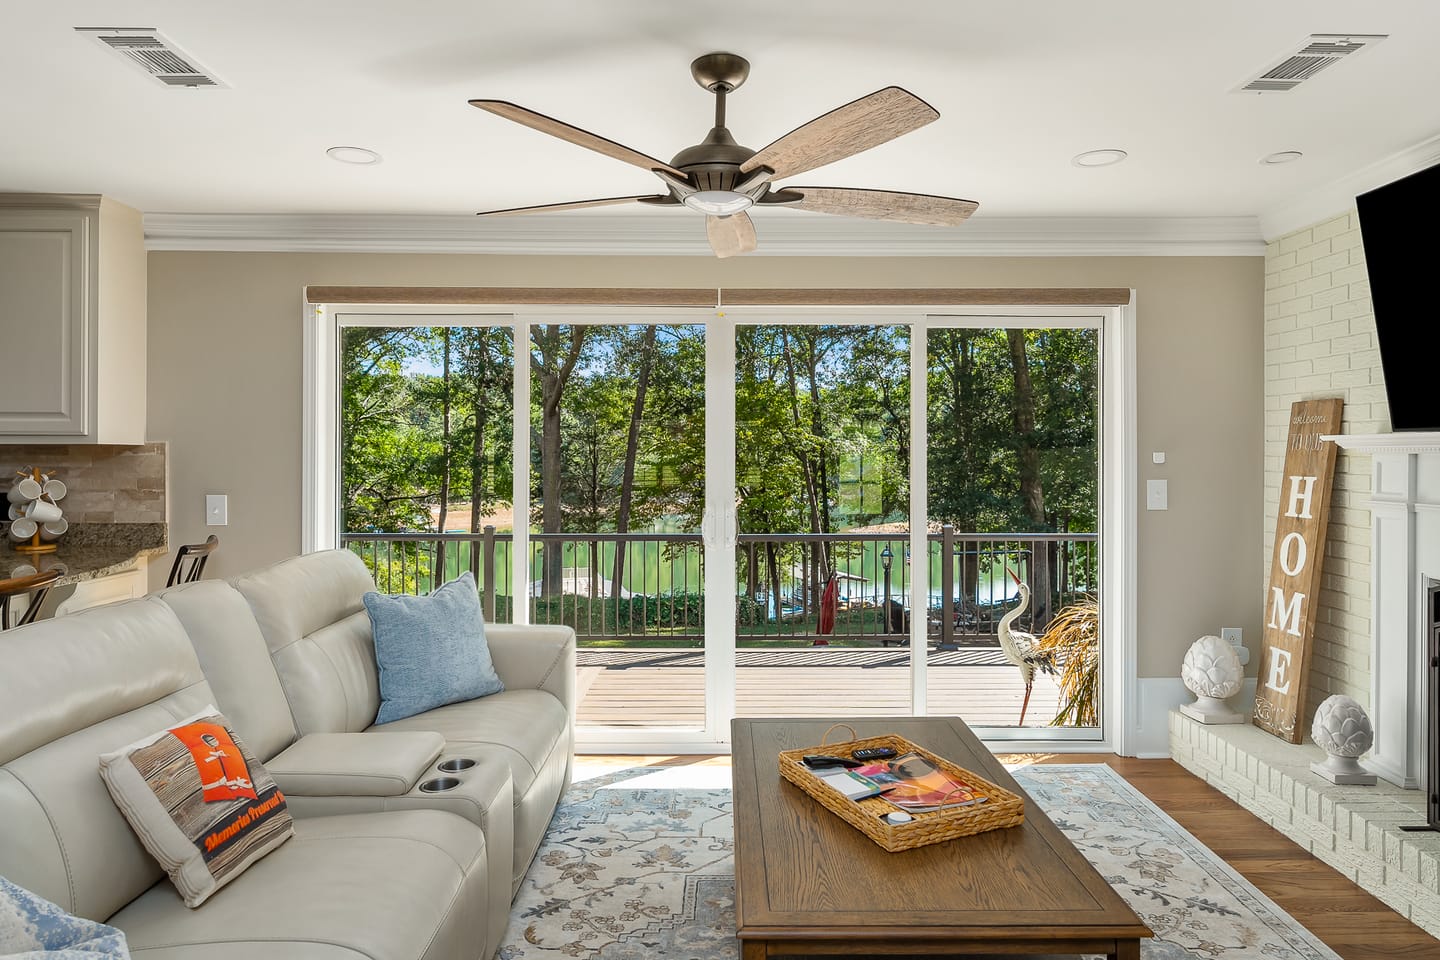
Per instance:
{"type": "Point", "coordinates": [808, 883]}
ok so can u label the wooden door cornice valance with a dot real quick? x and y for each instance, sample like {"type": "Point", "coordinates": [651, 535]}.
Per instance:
{"type": "Point", "coordinates": [731, 297]}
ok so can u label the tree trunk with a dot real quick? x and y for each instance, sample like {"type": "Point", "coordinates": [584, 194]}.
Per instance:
{"type": "Point", "coordinates": [807, 466]}
{"type": "Point", "coordinates": [772, 564]}
{"type": "Point", "coordinates": [1032, 494]}
{"type": "Point", "coordinates": [554, 369]}
{"type": "Point", "coordinates": [477, 442]}
{"type": "Point", "coordinates": [632, 448]}
{"type": "Point", "coordinates": [444, 451]}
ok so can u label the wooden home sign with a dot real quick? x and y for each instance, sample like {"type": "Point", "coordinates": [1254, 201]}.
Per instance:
{"type": "Point", "coordinates": [1293, 594]}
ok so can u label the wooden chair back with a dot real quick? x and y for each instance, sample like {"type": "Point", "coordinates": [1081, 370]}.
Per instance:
{"type": "Point", "coordinates": [190, 561]}
{"type": "Point", "coordinates": [35, 585]}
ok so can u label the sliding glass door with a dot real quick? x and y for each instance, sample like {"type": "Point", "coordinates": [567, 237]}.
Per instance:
{"type": "Point", "coordinates": [746, 513]}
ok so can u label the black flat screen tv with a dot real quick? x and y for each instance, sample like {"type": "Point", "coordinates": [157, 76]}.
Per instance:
{"type": "Point", "coordinates": [1396, 225]}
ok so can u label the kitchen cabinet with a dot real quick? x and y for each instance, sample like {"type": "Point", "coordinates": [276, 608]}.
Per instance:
{"type": "Point", "coordinates": [72, 320]}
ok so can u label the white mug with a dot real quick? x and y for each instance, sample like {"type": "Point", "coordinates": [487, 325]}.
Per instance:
{"type": "Point", "coordinates": [15, 512]}
{"type": "Point", "coordinates": [24, 490]}
{"type": "Point", "coordinates": [23, 570]}
{"type": "Point", "coordinates": [23, 529]}
{"type": "Point", "coordinates": [55, 529]}
{"type": "Point", "coordinates": [54, 489]}
{"type": "Point", "coordinates": [43, 511]}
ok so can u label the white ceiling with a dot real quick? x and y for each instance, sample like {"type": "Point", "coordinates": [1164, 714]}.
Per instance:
{"type": "Point", "coordinates": [1021, 88]}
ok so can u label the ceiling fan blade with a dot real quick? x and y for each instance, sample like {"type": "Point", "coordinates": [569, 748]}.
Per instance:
{"type": "Point", "coordinates": [576, 205]}
{"type": "Point", "coordinates": [732, 235]}
{"type": "Point", "coordinates": [844, 131]}
{"type": "Point", "coordinates": [879, 205]}
{"type": "Point", "coordinates": [583, 138]}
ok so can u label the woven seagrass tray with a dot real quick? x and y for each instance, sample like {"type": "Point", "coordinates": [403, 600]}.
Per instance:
{"type": "Point", "coordinates": [1001, 808]}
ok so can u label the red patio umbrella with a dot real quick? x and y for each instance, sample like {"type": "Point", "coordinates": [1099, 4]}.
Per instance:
{"type": "Point", "coordinates": [829, 606]}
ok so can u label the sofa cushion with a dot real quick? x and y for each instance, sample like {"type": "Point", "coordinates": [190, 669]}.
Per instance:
{"type": "Point", "coordinates": [236, 661]}
{"type": "Point", "coordinates": [527, 729]}
{"type": "Point", "coordinates": [400, 885]}
{"type": "Point", "coordinates": [430, 650]}
{"type": "Point", "coordinates": [310, 613]}
{"type": "Point", "coordinates": [524, 724]}
{"type": "Point", "coordinates": [199, 801]}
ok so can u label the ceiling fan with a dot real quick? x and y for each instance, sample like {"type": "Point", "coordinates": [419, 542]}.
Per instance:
{"type": "Point", "coordinates": [721, 179]}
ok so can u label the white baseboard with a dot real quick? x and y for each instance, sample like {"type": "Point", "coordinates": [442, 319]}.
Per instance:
{"type": "Point", "coordinates": [1157, 697]}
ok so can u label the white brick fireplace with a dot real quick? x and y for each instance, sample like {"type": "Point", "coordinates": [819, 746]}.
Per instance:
{"type": "Point", "coordinates": [1405, 562]}
{"type": "Point", "coordinates": [1363, 832]}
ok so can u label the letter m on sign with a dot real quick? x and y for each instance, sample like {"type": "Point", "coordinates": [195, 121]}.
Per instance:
{"type": "Point", "coordinates": [1300, 527]}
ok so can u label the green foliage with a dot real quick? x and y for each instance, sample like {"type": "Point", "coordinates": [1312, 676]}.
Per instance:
{"type": "Point", "coordinates": [392, 448]}
{"type": "Point", "coordinates": [673, 613]}
{"type": "Point", "coordinates": [822, 441]}
{"type": "Point", "coordinates": [974, 480]}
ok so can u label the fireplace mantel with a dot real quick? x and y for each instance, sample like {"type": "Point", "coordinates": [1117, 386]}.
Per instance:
{"type": "Point", "coordinates": [1404, 507]}
{"type": "Point", "coordinates": [1415, 442]}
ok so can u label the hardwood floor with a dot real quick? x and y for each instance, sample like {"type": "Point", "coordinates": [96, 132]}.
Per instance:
{"type": "Point", "coordinates": [1354, 924]}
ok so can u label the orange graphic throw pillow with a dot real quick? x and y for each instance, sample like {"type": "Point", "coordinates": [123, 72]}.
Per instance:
{"type": "Point", "coordinates": [201, 803]}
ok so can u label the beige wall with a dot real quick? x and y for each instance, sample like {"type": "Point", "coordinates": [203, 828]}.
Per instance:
{"type": "Point", "coordinates": [1320, 342]}
{"type": "Point", "coordinates": [225, 383]}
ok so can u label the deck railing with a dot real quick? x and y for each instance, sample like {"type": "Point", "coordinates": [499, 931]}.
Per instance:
{"type": "Point", "coordinates": [654, 595]}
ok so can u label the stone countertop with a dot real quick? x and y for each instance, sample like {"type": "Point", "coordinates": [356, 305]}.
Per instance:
{"type": "Point", "coordinates": [89, 551]}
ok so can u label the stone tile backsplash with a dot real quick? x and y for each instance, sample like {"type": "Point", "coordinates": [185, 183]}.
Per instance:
{"type": "Point", "coordinates": [105, 484]}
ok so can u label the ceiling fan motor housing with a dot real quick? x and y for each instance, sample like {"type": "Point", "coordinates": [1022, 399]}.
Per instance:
{"type": "Point", "coordinates": [714, 163]}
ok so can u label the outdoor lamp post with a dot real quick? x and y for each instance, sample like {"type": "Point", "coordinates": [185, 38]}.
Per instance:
{"type": "Point", "coordinates": [886, 556]}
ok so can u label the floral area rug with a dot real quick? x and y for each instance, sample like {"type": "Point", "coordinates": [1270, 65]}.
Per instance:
{"type": "Point", "coordinates": [638, 863]}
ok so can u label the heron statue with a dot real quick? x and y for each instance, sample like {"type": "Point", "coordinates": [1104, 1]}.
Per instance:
{"type": "Point", "coordinates": [1023, 649]}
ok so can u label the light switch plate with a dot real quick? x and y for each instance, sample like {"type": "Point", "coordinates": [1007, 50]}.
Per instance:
{"type": "Point", "coordinates": [217, 510]}
{"type": "Point", "coordinates": [1157, 495]}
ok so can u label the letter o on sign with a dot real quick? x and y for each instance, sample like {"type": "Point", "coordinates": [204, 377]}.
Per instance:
{"type": "Point", "coordinates": [1292, 544]}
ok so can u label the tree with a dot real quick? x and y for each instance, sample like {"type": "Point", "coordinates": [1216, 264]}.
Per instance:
{"type": "Point", "coordinates": [556, 349]}
{"type": "Point", "coordinates": [632, 452]}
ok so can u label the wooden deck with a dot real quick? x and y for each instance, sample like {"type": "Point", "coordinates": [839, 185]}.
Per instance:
{"type": "Point", "coordinates": [666, 687]}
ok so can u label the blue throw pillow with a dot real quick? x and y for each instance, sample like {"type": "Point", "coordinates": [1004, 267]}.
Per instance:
{"type": "Point", "coordinates": [431, 650]}
{"type": "Point", "coordinates": [30, 923]}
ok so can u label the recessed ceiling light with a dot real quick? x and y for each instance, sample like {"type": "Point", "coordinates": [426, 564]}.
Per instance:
{"type": "Point", "coordinates": [356, 155]}
{"type": "Point", "coordinates": [1098, 158]}
{"type": "Point", "coordinates": [1284, 156]}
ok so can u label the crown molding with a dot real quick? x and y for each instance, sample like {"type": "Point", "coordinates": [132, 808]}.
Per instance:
{"type": "Point", "coordinates": [675, 233]}
{"type": "Point", "coordinates": [1338, 196]}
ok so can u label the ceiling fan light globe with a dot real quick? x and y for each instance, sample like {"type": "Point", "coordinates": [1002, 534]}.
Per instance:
{"type": "Point", "coordinates": [718, 203]}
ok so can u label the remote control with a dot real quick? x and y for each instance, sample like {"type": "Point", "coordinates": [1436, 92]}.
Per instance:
{"type": "Point", "coordinates": [873, 753]}
{"type": "Point", "coordinates": [819, 762]}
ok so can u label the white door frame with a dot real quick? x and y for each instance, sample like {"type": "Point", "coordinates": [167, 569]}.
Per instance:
{"type": "Point", "coordinates": [1118, 508]}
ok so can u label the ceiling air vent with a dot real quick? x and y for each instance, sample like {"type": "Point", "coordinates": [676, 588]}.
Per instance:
{"type": "Point", "coordinates": [151, 51]}
{"type": "Point", "coordinates": [1316, 53]}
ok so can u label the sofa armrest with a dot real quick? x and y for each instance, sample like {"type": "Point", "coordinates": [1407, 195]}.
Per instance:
{"type": "Point", "coordinates": [535, 658]}
{"type": "Point", "coordinates": [371, 764]}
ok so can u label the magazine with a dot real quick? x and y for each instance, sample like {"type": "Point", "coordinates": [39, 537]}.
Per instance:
{"type": "Point", "coordinates": [918, 785]}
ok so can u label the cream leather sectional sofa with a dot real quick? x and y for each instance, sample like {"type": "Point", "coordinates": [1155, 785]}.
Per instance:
{"type": "Point", "coordinates": [411, 838]}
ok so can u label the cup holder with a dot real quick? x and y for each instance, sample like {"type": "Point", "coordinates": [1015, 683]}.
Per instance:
{"type": "Point", "coordinates": [440, 784]}
{"type": "Point", "coordinates": [455, 765]}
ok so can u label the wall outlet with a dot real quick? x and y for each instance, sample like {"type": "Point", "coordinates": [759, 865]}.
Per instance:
{"type": "Point", "coordinates": [217, 510]}
{"type": "Point", "coordinates": [1157, 457]}
{"type": "Point", "coordinates": [1157, 495]}
{"type": "Point", "coordinates": [1232, 636]}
